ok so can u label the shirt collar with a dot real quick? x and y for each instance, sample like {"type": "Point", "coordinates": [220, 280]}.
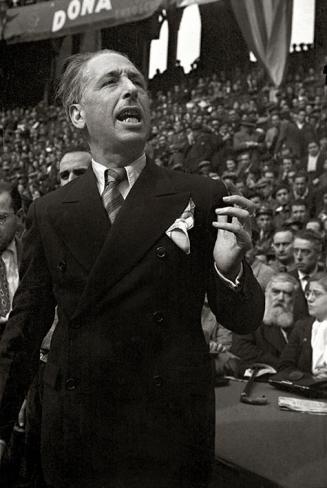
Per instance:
{"type": "Point", "coordinates": [133, 171]}
{"type": "Point", "coordinates": [313, 157]}
{"type": "Point", "coordinates": [303, 275]}
{"type": "Point", "coordinates": [11, 248]}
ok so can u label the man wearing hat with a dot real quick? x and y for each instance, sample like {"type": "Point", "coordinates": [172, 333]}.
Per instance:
{"type": "Point", "coordinates": [265, 188]}
{"type": "Point", "coordinates": [247, 139]}
{"type": "Point", "coordinates": [204, 168]}
{"type": "Point", "coordinates": [202, 148]}
{"type": "Point", "coordinates": [265, 227]}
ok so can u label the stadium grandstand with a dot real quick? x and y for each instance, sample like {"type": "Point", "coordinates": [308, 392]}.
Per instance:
{"type": "Point", "coordinates": [259, 126]}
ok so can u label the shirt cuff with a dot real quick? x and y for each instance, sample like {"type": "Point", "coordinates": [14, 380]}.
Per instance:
{"type": "Point", "coordinates": [234, 285]}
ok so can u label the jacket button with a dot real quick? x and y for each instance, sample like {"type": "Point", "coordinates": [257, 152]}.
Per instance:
{"type": "Point", "coordinates": [71, 384]}
{"type": "Point", "coordinates": [158, 381]}
{"type": "Point", "coordinates": [61, 266]}
{"type": "Point", "coordinates": [158, 317]}
{"type": "Point", "coordinates": [161, 252]}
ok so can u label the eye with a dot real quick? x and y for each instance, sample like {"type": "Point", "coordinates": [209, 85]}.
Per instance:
{"type": "Point", "coordinates": [109, 81]}
{"type": "Point", "coordinates": [137, 81]}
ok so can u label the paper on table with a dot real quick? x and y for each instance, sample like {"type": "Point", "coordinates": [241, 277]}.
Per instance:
{"type": "Point", "coordinates": [299, 405]}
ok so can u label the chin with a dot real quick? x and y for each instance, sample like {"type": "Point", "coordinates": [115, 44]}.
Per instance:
{"type": "Point", "coordinates": [133, 137]}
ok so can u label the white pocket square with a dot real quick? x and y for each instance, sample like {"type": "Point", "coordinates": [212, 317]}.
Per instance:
{"type": "Point", "coordinates": [178, 231]}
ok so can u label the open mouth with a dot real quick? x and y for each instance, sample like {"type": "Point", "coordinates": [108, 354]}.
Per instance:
{"type": "Point", "coordinates": [130, 115]}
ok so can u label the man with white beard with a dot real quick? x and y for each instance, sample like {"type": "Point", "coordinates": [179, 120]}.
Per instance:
{"type": "Point", "coordinates": [268, 341]}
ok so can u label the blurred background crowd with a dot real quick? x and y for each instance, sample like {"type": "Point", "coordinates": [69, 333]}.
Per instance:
{"type": "Point", "coordinates": [268, 144]}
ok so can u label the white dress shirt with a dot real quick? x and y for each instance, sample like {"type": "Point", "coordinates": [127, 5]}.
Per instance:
{"type": "Point", "coordinates": [312, 163]}
{"type": "Point", "coordinates": [319, 348]}
{"type": "Point", "coordinates": [303, 280]}
{"type": "Point", "coordinates": [9, 257]}
{"type": "Point", "coordinates": [133, 171]}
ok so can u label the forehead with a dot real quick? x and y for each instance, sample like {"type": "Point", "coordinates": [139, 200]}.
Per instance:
{"type": "Point", "coordinates": [282, 191]}
{"type": "Point", "coordinates": [264, 217]}
{"type": "Point", "coordinates": [76, 158]}
{"type": "Point", "coordinates": [283, 237]}
{"type": "Point", "coordinates": [303, 243]}
{"type": "Point", "coordinates": [105, 63]}
{"type": "Point", "coordinates": [298, 208]}
{"type": "Point", "coordinates": [315, 285]}
{"type": "Point", "coordinates": [282, 285]}
{"type": "Point", "coordinates": [5, 201]}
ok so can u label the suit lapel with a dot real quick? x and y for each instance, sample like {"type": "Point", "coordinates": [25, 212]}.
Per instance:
{"type": "Point", "coordinates": [83, 222]}
{"type": "Point", "coordinates": [152, 205]}
{"type": "Point", "coordinates": [273, 336]}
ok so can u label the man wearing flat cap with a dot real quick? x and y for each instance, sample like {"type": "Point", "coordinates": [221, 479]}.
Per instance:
{"type": "Point", "coordinates": [265, 187]}
{"type": "Point", "coordinates": [265, 227]}
{"type": "Point", "coordinates": [202, 149]}
{"type": "Point", "coordinates": [247, 140]}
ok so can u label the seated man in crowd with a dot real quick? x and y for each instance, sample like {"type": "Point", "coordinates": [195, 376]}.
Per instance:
{"type": "Point", "coordinates": [299, 212]}
{"type": "Point", "coordinates": [283, 247]}
{"type": "Point", "coordinates": [266, 344]}
{"type": "Point", "coordinates": [11, 214]}
{"type": "Point", "coordinates": [282, 209]}
{"type": "Point", "coordinates": [303, 191]}
{"type": "Point", "coordinates": [307, 249]}
{"type": "Point", "coordinates": [74, 163]}
{"type": "Point", "coordinates": [265, 227]}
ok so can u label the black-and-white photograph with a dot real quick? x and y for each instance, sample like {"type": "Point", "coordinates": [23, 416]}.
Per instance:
{"type": "Point", "coordinates": [163, 244]}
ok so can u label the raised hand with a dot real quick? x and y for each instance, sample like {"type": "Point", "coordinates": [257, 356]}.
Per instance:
{"type": "Point", "coordinates": [234, 234]}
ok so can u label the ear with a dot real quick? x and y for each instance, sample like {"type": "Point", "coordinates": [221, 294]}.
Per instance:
{"type": "Point", "coordinates": [77, 115]}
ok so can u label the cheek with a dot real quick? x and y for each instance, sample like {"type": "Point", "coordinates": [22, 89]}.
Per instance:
{"type": "Point", "coordinates": [320, 308]}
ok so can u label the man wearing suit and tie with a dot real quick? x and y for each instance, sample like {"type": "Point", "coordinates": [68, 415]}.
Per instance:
{"type": "Point", "coordinates": [127, 256]}
{"type": "Point", "coordinates": [307, 247]}
{"type": "Point", "coordinates": [10, 248]}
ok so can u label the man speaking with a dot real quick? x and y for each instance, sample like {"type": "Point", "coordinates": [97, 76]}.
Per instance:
{"type": "Point", "coordinates": [127, 252]}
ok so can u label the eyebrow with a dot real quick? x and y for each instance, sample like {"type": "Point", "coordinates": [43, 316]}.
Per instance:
{"type": "Point", "coordinates": [279, 290]}
{"type": "Point", "coordinates": [132, 74]}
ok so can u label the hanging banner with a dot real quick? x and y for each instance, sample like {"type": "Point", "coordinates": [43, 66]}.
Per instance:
{"type": "Point", "coordinates": [267, 26]}
{"type": "Point", "coordinates": [62, 17]}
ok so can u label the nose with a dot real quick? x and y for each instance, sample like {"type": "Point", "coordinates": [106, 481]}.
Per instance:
{"type": "Point", "coordinates": [130, 89]}
{"type": "Point", "coordinates": [71, 176]}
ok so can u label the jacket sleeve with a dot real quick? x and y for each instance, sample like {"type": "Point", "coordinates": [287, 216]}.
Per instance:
{"type": "Point", "coordinates": [31, 317]}
{"type": "Point", "coordinates": [240, 310]}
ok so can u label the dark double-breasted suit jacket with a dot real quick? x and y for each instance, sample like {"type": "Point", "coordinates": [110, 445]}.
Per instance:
{"type": "Point", "coordinates": [128, 396]}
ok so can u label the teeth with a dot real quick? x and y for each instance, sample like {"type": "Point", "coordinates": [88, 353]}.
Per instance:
{"type": "Point", "coordinates": [131, 120]}
{"type": "Point", "coordinates": [129, 116]}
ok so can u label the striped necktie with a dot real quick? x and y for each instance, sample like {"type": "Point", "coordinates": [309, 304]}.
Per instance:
{"type": "Point", "coordinates": [4, 291]}
{"type": "Point", "coordinates": [111, 196]}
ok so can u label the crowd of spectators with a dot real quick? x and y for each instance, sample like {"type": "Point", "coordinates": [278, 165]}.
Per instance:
{"type": "Point", "coordinates": [270, 144]}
